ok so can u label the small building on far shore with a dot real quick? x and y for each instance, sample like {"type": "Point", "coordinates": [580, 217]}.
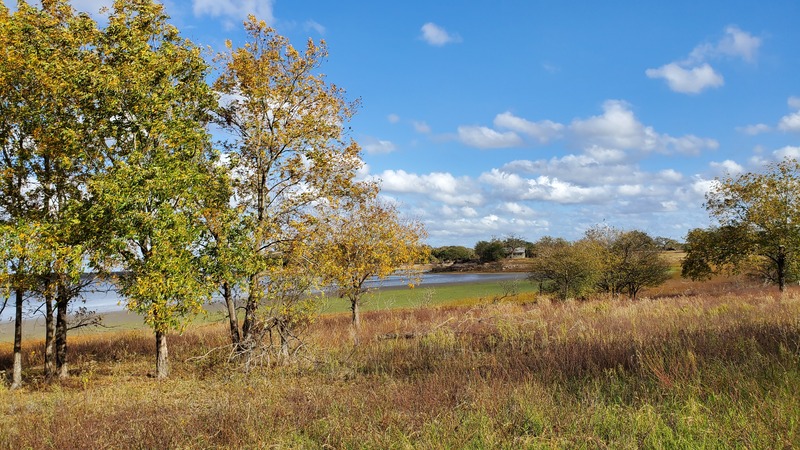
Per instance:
{"type": "Point", "coordinates": [517, 253]}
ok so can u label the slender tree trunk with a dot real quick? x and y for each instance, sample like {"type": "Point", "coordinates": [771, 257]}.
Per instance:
{"type": "Point", "coordinates": [16, 379]}
{"type": "Point", "coordinates": [49, 338]}
{"type": "Point", "coordinates": [250, 311]}
{"type": "Point", "coordinates": [354, 304]}
{"type": "Point", "coordinates": [233, 320]}
{"type": "Point", "coordinates": [284, 335]}
{"type": "Point", "coordinates": [162, 356]}
{"type": "Point", "coordinates": [62, 302]}
{"type": "Point", "coordinates": [781, 263]}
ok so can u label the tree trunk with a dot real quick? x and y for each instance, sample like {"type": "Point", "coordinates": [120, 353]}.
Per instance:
{"type": "Point", "coordinates": [49, 338]}
{"type": "Point", "coordinates": [16, 379]}
{"type": "Point", "coordinates": [250, 312]}
{"type": "Point", "coordinates": [162, 361]}
{"type": "Point", "coordinates": [62, 302]}
{"type": "Point", "coordinates": [781, 263]}
{"type": "Point", "coordinates": [354, 304]}
{"type": "Point", "coordinates": [283, 335]}
{"type": "Point", "coordinates": [233, 320]}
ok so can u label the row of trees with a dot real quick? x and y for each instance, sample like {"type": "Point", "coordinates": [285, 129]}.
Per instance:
{"type": "Point", "coordinates": [107, 166]}
{"type": "Point", "coordinates": [606, 260]}
{"type": "Point", "coordinates": [757, 234]}
{"type": "Point", "coordinates": [484, 251]}
{"type": "Point", "coordinates": [497, 249]}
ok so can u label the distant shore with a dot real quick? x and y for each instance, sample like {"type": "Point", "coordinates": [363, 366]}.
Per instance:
{"type": "Point", "coordinates": [121, 320]}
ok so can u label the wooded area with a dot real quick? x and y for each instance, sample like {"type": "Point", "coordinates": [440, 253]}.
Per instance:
{"type": "Point", "coordinates": [112, 165]}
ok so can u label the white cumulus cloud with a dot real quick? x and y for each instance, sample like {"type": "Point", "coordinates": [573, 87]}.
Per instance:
{"type": "Point", "coordinates": [485, 138]}
{"type": "Point", "coordinates": [618, 128]}
{"type": "Point", "coordinates": [543, 131]}
{"type": "Point", "coordinates": [440, 186]}
{"type": "Point", "coordinates": [235, 9]}
{"type": "Point", "coordinates": [694, 74]}
{"type": "Point", "coordinates": [755, 129]}
{"type": "Point", "coordinates": [375, 146]}
{"type": "Point", "coordinates": [437, 36]}
{"type": "Point", "coordinates": [542, 188]}
{"type": "Point", "coordinates": [727, 167]}
{"type": "Point", "coordinates": [605, 138]}
{"type": "Point", "coordinates": [734, 43]}
{"type": "Point", "coordinates": [516, 209]}
{"type": "Point", "coordinates": [787, 152]}
{"type": "Point", "coordinates": [687, 81]}
{"type": "Point", "coordinates": [790, 122]}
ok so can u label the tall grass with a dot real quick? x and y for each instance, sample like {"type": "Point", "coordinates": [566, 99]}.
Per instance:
{"type": "Point", "coordinates": [685, 370]}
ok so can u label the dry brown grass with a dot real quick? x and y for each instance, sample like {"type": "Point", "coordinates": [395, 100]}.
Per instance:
{"type": "Point", "coordinates": [692, 366]}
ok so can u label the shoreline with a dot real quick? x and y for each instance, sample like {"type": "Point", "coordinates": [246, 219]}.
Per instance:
{"type": "Point", "coordinates": [124, 320]}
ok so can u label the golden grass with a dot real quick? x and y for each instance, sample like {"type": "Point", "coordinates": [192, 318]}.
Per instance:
{"type": "Point", "coordinates": [694, 365]}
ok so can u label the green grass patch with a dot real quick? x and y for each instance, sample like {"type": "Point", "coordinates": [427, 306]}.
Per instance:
{"type": "Point", "coordinates": [434, 295]}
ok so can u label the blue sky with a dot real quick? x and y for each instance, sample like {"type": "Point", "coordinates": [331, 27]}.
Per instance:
{"type": "Point", "coordinates": [537, 118]}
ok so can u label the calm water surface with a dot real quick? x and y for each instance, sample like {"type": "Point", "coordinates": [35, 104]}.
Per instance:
{"type": "Point", "coordinates": [103, 297]}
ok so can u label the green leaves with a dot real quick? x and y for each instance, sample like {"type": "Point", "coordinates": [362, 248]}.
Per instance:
{"type": "Point", "coordinates": [45, 152]}
{"type": "Point", "coordinates": [156, 167]}
{"type": "Point", "coordinates": [568, 269]}
{"type": "Point", "coordinates": [759, 214]}
{"type": "Point", "coordinates": [605, 260]}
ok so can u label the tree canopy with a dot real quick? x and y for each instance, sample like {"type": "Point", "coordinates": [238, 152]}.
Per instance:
{"type": "Point", "coordinates": [606, 260]}
{"type": "Point", "coordinates": [368, 239]}
{"type": "Point", "coordinates": [453, 253]}
{"type": "Point", "coordinates": [490, 251]}
{"type": "Point", "coordinates": [107, 165]}
{"type": "Point", "coordinates": [758, 232]}
{"type": "Point", "coordinates": [286, 151]}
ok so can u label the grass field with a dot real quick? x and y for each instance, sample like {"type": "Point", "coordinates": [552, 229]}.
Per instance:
{"type": "Point", "coordinates": [386, 298]}
{"type": "Point", "coordinates": [393, 298]}
{"type": "Point", "coordinates": [691, 365]}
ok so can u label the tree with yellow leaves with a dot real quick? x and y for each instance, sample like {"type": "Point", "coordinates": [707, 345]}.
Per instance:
{"type": "Point", "coordinates": [287, 150]}
{"type": "Point", "coordinates": [368, 239]}
{"type": "Point", "coordinates": [46, 118]}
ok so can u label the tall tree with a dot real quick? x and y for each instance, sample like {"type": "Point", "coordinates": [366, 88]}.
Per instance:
{"type": "Point", "coordinates": [287, 150]}
{"type": "Point", "coordinates": [156, 155]}
{"type": "Point", "coordinates": [758, 213]}
{"type": "Point", "coordinates": [453, 253]}
{"type": "Point", "coordinates": [716, 250]}
{"type": "Point", "coordinates": [45, 96]}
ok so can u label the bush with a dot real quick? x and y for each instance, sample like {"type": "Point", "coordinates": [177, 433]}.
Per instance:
{"type": "Point", "coordinates": [490, 251]}
{"type": "Point", "coordinates": [454, 253]}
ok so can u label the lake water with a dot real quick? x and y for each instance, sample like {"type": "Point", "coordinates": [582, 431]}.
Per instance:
{"type": "Point", "coordinates": [103, 297]}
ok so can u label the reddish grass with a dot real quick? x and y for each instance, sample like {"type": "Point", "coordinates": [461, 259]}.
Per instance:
{"type": "Point", "coordinates": [691, 365]}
